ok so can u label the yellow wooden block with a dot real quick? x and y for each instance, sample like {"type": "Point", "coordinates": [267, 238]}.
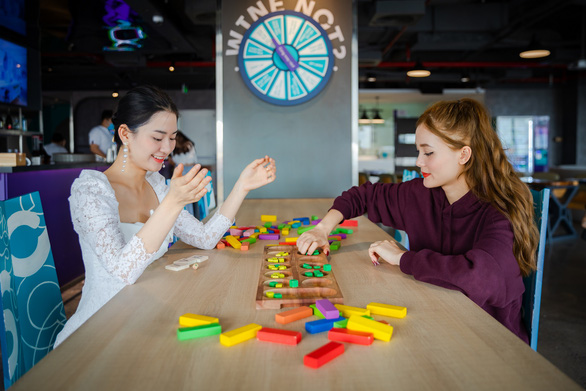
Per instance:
{"type": "Point", "coordinates": [241, 334]}
{"type": "Point", "coordinates": [273, 267]}
{"type": "Point", "coordinates": [387, 310]}
{"type": "Point", "coordinates": [281, 275]}
{"type": "Point", "coordinates": [291, 240]}
{"type": "Point", "coordinates": [192, 320]}
{"type": "Point", "coordinates": [263, 230]}
{"type": "Point", "coordinates": [255, 235]}
{"type": "Point", "coordinates": [270, 218]}
{"type": "Point", "coordinates": [348, 311]}
{"type": "Point", "coordinates": [285, 232]}
{"type": "Point", "coordinates": [281, 260]}
{"type": "Point", "coordinates": [380, 331]}
{"type": "Point", "coordinates": [278, 285]}
{"type": "Point", "coordinates": [270, 295]}
{"type": "Point", "coordinates": [233, 241]}
{"type": "Point", "coordinates": [282, 267]}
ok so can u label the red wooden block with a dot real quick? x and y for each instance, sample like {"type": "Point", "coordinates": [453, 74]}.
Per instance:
{"type": "Point", "coordinates": [349, 223]}
{"type": "Point", "coordinates": [350, 336]}
{"type": "Point", "coordinates": [286, 337]}
{"type": "Point", "coordinates": [285, 243]}
{"type": "Point", "coordinates": [323, 355]}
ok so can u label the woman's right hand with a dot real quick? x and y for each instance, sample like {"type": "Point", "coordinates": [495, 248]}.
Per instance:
{"type": "Point", "coordinates": [189, 188]}
{"type": "Point", "coordinates": [311, 240]}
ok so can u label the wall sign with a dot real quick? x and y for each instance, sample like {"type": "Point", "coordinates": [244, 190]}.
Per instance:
{"type": "Point", "coordinates": [285, 58]}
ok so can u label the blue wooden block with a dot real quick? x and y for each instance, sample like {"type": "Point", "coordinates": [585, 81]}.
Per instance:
{"type": "Point", "coordinates": [320, 325]}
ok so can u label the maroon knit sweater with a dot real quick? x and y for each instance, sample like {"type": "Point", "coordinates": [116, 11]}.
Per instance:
{"type": "Point", "coordinates": [466, 246]}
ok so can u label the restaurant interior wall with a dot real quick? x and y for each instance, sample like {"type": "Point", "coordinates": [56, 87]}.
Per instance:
{"type": "Point", "coordinates": [312, 141]}
{"type": "Point", "coordinates": [581, 125]}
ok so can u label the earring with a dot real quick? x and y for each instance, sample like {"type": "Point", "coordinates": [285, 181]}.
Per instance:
{"type": "Point", "coordinates": [163, 164]}
{"type": "Point", "coordinates": [125, 152]}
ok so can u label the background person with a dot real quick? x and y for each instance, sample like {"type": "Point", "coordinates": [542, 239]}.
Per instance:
{"type": "Point", "coordinates": [57, 145]}
{"type": "Point", "coordinates": [101, 139]}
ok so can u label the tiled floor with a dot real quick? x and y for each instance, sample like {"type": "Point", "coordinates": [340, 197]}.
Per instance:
{"type": "Point", "coordinates": [562, 329]}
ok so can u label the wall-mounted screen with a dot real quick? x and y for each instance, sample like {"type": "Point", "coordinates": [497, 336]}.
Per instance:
{"type": "Point", "coordinates": [124, 27]}
{"type": "Point", "coordinates": [12, 15]}
{"type": "Point", "coordinates": [13, 74]}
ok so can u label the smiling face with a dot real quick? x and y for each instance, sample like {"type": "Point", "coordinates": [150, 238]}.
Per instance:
{"type": "Point", "coordinates": [440, 165]}
{"type": "Point", "coordinates": [151, 143]}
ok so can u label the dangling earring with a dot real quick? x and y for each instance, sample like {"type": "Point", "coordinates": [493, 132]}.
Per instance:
{"type": "Point", "coordinates": [125, 155]}
{"type": "Point", "coordinates": [163, 164]}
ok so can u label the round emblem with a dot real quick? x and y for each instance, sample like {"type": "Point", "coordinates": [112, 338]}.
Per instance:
{"type": "Point", "coordinates": [285, 58]}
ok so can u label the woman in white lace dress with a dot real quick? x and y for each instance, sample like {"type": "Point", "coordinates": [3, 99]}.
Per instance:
{"type": "Point", "coordinates": [126, 216]}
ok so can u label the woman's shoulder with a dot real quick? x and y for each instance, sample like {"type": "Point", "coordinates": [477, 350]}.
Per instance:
{"type": "Point", "coordinates": [157, 181]}
{"type": "Point", "coordinates": [91, 178]}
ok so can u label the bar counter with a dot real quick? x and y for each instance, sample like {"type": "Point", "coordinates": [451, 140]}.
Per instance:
{"type": "Point", "coordinates": [53, 182]}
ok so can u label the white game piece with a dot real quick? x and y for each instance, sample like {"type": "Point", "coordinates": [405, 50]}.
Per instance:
{"type": "Point", "coordinates": [190, 260]}
{"type": "Point", "coordinates": [176, 268]}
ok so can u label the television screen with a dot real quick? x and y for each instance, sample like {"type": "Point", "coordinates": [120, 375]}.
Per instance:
{"type": "Point", "coordinates": [13, 74]}
{"type": "Point", "coordinates": [12, 15]}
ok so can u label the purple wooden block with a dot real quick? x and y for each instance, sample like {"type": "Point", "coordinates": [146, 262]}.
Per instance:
{"type": "Point", "coordinates": [269, 236]}
{"type": "Point", "coordinates": [343, 236]}
{"type": "Point", "coordinates": [327, 309]}
{"type": "Point", "coordinates": [315, 222]}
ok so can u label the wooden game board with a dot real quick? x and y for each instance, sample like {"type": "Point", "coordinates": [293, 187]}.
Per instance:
{"type": "Point", "coordinates": [310, 288]}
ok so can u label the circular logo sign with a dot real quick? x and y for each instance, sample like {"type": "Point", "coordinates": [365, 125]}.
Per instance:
{"type": "Point", "coordinates": [285, 58]}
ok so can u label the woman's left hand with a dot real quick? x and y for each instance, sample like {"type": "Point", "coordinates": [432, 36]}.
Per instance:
{"type": "Point", "coordinates": [258, 173]}
{"type": "Point", "coordinates": [387, 250]}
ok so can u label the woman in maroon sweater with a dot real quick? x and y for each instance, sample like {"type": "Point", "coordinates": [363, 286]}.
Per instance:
{"type": "Point", "coordinates": [469, 220]}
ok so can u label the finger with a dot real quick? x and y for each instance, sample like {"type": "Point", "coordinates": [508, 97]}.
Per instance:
{"type": "Point", "coordinates": [202, 184]}
{"type": "Point", "coordinates": [312, 248]}
{"type": "Point", "coordinates": [257, 162]}
{"type": "Point", "coordinates": [326, 249]}
{"type": "Point", "coordinates": [197, 179]}
{"type": "Point", "coordinates": [302, 246]}
{"type": "Point", "coordinates": [191, 173]}
{"type": "Point", "coordinates": [177, 171]}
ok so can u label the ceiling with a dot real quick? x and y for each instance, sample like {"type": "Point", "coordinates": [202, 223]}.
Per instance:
{"type": "Point", "coordinates": [478, 39]}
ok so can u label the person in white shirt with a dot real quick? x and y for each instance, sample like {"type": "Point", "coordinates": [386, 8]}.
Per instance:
{"type": "Point", "coordinates": [126, 216]}
{"type": "Point", "coordinates": [100, 137]}
{"type": "Point", "coordinates": [57, 145]}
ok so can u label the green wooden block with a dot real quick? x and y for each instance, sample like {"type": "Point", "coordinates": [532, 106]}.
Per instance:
{"type": "Point", "coordinates": [293, 283]}
{"type": "Point", "coordinates": [280, 226]}
{"type": "Point", "coordinates": [317, 267]}
{"type": "Point", "coordinates": [278, 296]}
{"type": "Point", "coordinates": [316, 252]}
{"type": "Point", "coordinates": [314, 217]}
{"type": "Point", "coordinates": [305, 229]}
{"type": "Point", "coordinates": [250, 240]}
{"type": "Point", "coordinates": [341, 324]}
{"type": "Point", "coordinates": [272, 284]}
{"type": "Point", "coordinates": [327, 267]}
{"type": "Point", "coordinates": [316, 311]}
{"type": "Point", "coordinates": [308, 274]}
{"type": "Point", "coordinates": [306, 266]}
{"type": "Point", "coordinates": [346, 231]}
{"type": "Point", "coordinates": [334, 247]}
{"type": "Point", "coordinates": [268, 224]}
{"type": "Point", "coordinates": [185, 333]}
{"type": "Point", "coordinates": [368, 317]}
{"type": "Point", "coordinates": [318, 274]}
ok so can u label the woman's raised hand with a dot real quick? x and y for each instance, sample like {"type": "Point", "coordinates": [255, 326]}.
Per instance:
{"type": "Point", "coordinates": [258, 173]}
{"type": "Point", "coordinates": [189, 188]}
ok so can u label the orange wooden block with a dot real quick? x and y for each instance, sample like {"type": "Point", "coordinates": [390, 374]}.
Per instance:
{"type": "Point", "coordinates": [244, 246]}
{"type": "Point", "coordinates": [293, 315]}
{"type": "Point", "coordinates": [220, 245]}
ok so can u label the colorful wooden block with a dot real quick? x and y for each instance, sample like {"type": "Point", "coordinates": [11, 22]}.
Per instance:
{"type": "Point", "coordinates": [348, 311]}
{"type": "Point", "coordinates": [350, 336]}
{"type": "Point", "coordinates": [239, 335]}
{"type": "Point", "coordinates": [316, 311]}
{"type": "Point", "coordinates": [270, 294]}
{"type": "Point", "coordinates": [220, 245]}
{"type": "Point", "coordinates": [387, 310]}
{"type": "Point", "coordinates": [293, 283]}
{"type": "Point", "coordinates": [320, 325]}
{"type": "Point", "coordinates": [270, 218]}
{"type": "Point", "coordinates": [185, 333]}
{"type": "Point", "coordinates": [293, 315]}
{"type": "Point", "coordinates": [192, 320]}
{"type": "Point", "coordinates": [304, 229]}
{"type": "Point", "coordinates": [233, 241]}
{"type": "Point", "coordinates": [244, 246]}
{"type": "Point", "coordinates": [341, 323]}
{"type": "Point", "coordinates": [278, 296]}
{"type": "Point", "coordinates": [327, 309]}
{"type": "Point", "coordinates": [349, 223]}
{"type": "Point", "coordinates": [285, 337]}
{"type": "Point", "coordinates": [380, 331]}
{"type": "Point", "coordinates": [323, 355]}
{"type": "Point", "coordinates": [269, 237]}
{"type": "Point", "coordinates": [291, 240]}
{"type": "Point", "coordinates": [327, 267]}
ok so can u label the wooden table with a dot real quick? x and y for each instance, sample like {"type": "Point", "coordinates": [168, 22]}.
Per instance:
{"type": "Point", "coordinates": [446, 342]}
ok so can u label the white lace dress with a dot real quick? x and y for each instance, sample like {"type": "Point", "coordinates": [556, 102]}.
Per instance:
{"type": "Point", "coordinates": [113, 255]}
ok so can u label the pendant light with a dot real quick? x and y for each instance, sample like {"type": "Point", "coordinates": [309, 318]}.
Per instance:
{"type": "Point", "coordinates": [418, 70]}
{"type": "Point", "coordinates": [534, 50]}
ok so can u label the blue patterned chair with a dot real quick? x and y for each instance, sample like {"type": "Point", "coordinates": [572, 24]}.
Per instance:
{"type": "Point", "coordinates": [32, 307]}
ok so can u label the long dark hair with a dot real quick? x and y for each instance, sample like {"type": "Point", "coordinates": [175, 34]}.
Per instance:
{"type": "Point", "coordinates": [138, 106]}
{"type": "Point", "coordinates": [182, 143]}
{"type": "Point", "coordinates": [488, 173]}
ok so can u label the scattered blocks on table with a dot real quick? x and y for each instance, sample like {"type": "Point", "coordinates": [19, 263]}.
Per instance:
{"type": "Point", "coordinates": [249, 240]}
{"type": "Point", "coordinates": [220, 245]}
{"type": "Point", "coordinates": [192, 320]}
{"type": "Point", "coordinates": [267, 225]}
{"type": "Point", "coordinates": [323, 355]}
{"type": "Point", "coordinates": [335, 246]}
{"type": "Point", "coordinates": [269, 218]}
{"type": "Point", "coordinates": [341, 323]}
{"type": "Point", "coordinates": [320, 325]}
{"type": "Point", "coordinates": [348, 311]}
{"type": "Point", "coordinates": [387, 310]}
{"type": "Point", "coordinates": [244, 246]}
{"type": "Point", "coordinates": [239, 335]}
{"type": "Point", "coordinates": [286, 337]}
{"type": "Point", "coordinates": [269, 236]}
{"type": "Point", "coordinates": [185, 333]}
{"type": "Point", "coordinates": [236, 232]}
{"type": "Point", "coordinates": [293, 283]}
{"type": "Point", "coordinates": [293, 315]}
{"type": "Point", "coordinates": [327, 309]}
{"type": "Point", "coordinates": [350, 336]}
{"type": "Point", "coordinates": [327, 267]}
{"type": "Point", "coordinates": [314, 217]}
{"type": "Point", "coordinates": [233, 241]}
{"type": "Point", "coordinates": [305, 229]}
{"type": "Point", "coordinates": [380, 331]}
{"type": "Point", "coordinates": [291, 240]}
{"type": "Point", "coordinates": [316, 311]}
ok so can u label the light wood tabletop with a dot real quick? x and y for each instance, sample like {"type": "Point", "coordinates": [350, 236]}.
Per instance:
{"type": "Point", "coordinates": [446, 342]}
